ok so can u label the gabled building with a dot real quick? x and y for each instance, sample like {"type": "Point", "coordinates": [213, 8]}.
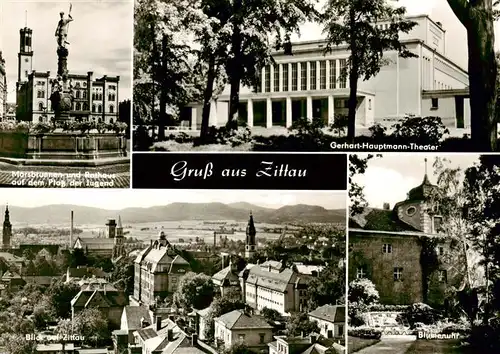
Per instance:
{"type": "Point", "coordinates": [387, 246]}
{"type": "Point", "coordinates": [103, 296]}
{"type": "Point", "coordinates": [111, 246]}
{"type": "Point", "coordinates": [227, 278]}
{"type": "Point", "coordinates": [12, 280]}
{"type": "Point", "coordinates": [133, 319]}
{"type": "Point", "coordinates": [240, 327]}
{"type": "Point", "coordinates": [157, 271]}
{"type": "Point", "coordinates": [274, 286]}
{"type": "Point", "coordinates": [312, 344]}
{"type": "Point", "coordinates": [330, 320]}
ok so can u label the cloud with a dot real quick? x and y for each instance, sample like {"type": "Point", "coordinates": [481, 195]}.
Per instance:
{"type": "Point", "coordinates": [100, 37]}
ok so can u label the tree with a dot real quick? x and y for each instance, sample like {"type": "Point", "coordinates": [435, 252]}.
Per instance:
{"type": "Point", "coordinates": [357, 166]}
{"type": "Point", "coordinates": [17, 344]}
{"type": "Point", "coordinates": [271, 314]}
{"type": "Point", "coordinates": [363, 291]}
{"type": "Point", "coordinates": [354, 22]}
{"type": "Point", "coordinates": [219, 307]}
{"type": "Point", "coordinates": [478, 19]}
{"type": "Point", "coordinates": [61, 295]}
{"type": "Point", "coordinates": [123, 274]}
{"type": "Point", "coordinates": [239, 348]}
{"type": "Point", "coordinates": [328, 287]}
{"type": "Point", "coordinates": [252, 24]}
{"type": "Point", "coordinates": [194, 291]}
{"type": "Point", "coordinates": [91, 324]}
{"type": "Point", "coordinates": [299, 324]}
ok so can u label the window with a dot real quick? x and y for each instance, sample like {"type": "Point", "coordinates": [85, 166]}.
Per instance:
{"type": "Point", "coordinates": [322, 75]}
{"type": "Point", "coordinates": [40, 106]}
{"type": "Point", "coordinates": [434, 103]}
{"type": "Point", "coordinates": [78, 106]}
{"type": "Point", "coordinates": [77, 85]}
{"type": "Point", "coordinates": [276, 78]}
{"type": "Point", "coordinates": [267, 78]}
{"type": "Point", "coordinates": [312, 75]}
{"type": "Point", "coordinates": [93, 108]}
{"type": "Point", "coordinates": [333, 74]}
{"type": "Point", "coordinates": [370, 104]}
{"type": "Point", "coordinates": [262, 338]}
{"type": "Point", "coordinates": [99, 109]}
{"type": "Point", "coordinates": [285, 77]}
{"type": "Point", "coordinates": [440, 250]}
{"type": "Point", "coordinates": [294, 76]}
{"type": "Point", "coordinates": [111, 109]}
{"type": "Point", "coordinates": [387, 248]}
{"type": "Point", "coordinates": [78, 94]}
{"type": "Point", "coordinates": [303, 76]}
{"type": "Point", "coordinates": [84, 94]}
{"type": "Point", "coordinates": [241, 337]}
{"type": "Point", "coordinates": [436, 223]}
{"type": "Point", "coordinates": [398, 274]}
{"type": "Point", "coordinates": [85, 106]}
{"type": "Point", "coordinates": [341, 330]}
{"type": "Point", "coordinates": [360, 273]}
{"type": "Point", "coordinates": [443, 276]}
{"type": "Point", "coordinates": [343, 73]}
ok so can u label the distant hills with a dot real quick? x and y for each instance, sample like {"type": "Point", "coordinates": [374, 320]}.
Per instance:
{"type": "Point", "coordinates": [60, 214]}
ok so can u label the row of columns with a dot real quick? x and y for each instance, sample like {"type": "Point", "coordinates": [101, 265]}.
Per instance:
{"type": "Point", "coordinates": [299, 76]}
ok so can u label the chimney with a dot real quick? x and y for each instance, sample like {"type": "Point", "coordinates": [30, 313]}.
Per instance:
{"type": "Point", "coordinates": [194, 340]}
{"type": "Point", "coordinates": [143, 322]}
{"type": "Point", "coordinates": [386, 206]}
{"type": "Point", "coordinates": [312, 338]}
{"type": "Point", "coordinates": [158, 323]}
{"type": "Point", "coordinates": [439, 24]}
{"type": "Point", "coordinates": [71, 231]}
{"type": "Point", "coordinates": [170, 335]}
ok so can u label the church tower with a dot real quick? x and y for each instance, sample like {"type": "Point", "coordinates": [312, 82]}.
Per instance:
{"type": "Point", "coordinates": [119, 232]}
{"type": "Point", "coordinates": [7, 229]}
{"type": "Point", "coordinates": [25, 55]}
{"type": "Point", "coordinates": [111, 224]}
{"type": "Point", "coordinates": [250, 239]}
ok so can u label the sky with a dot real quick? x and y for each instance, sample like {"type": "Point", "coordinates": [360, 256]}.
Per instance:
{"type": "Point", "coordinates": [438, 10]}
{"type": "Point", "coordinates": [100, 37]}
{"type": "Point", "coordinates": [390, 178]}
{"type": "Point", "coordinates": [117, 199]}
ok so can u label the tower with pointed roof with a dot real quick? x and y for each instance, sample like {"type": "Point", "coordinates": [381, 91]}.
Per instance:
{"type": "Point", "coordinates": [7, 229]}
{"type": "Point", "coordinates": [250, 245]}
{"type": "Point", "coordinates": [119, 227]}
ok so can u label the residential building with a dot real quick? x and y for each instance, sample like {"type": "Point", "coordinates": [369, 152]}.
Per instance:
{"type": "Point", "coordinates": [12, 280]}
{"type": "Point", "coordinates": [313, 343]}
{"type": "Point", "coordinates": [330, 320]}
{"type": "Point", "coordinates": [134, 318]}
{"type": "Point", "coordinates": [308, 84]}
{"type": "Point", "coordinates": [111, 246]}
{"type": "Point", "coordinates": [103, 296]}
{"type": "Point", "coordinates": [157, 271]}
{"type": "Point", "coordinates": [387, 246]}
{"type": "Point", "coordinates": [239, 326]}
{"type": "Point", "coordinates": [95, 99]}
{"type": "Point", "coordinates": [226, 279]}
{"type": "Point", "coordinates": [201, 320]}
{"type": "Point", "coordinates": [10, 258]}
{"type": "Point", "coordinates": [274, 286]}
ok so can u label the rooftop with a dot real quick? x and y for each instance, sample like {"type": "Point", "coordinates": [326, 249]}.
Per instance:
{"type": "Point", "coordinates": [238, 319]}
{"type": "Point", "coordinates": [330, 313]}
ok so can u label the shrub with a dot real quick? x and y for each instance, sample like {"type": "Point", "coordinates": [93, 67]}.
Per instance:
{"type": "Point", "coordinates": [339, 124]}
{"type": "Point", "coordinates": [378, 131]}
{"type": "Point", "coordinates": [181, 138]}
{"type": "Point", "coordinates": [425, 131]}
{"type": "Point", "coordinates": [84, 127]}
{"type": "Point", "coordinates": [419, 313]}
{"type": "Point", "coordinates": [42, 128]}
{"type": "Point", "coordinates": [226, 135]}
{"type": "Point", "coordinates": [363, 291]}
{"type": "Point", "coordinates": [142, 140]}
{"type": "Point", "coordinates": [308, 130]}
{"type": "Point", "coordinates": [119, 127]}
{"type": "Point", "coordinates": [20, 127]}
{"type": "Point", "coordinates": [365, 332]}
{"type": "Point", "coordinates": [357, 314]}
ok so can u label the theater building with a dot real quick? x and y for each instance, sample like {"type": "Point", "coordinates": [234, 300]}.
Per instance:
{"type": "Point", "coordinates": [309, 84]}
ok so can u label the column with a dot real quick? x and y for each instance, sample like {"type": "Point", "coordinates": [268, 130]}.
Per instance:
{"type": "Point", "coordinates": [318, 74]}
{"type": "Point", "coordinates": [309, 108]}
{"type": "Point", "coordinates": [280, 68]}
{"type": "Point", "coordinates": [250, 112]}
{"type": "Point", "coordinates": [194, 114]}
{"type": "Point", "coordinates": [288, 112]}
{"type": "Point", "coordinates": [269, 113]}
{"type": "Point", "coordinates": [308, 75]}
{"type": "Point", "coordinates": [271, 78]}
{"type": "Point", "coordinates": [331, 110]}
{"type": "Point", "coordinates": [327, 63]}
{"type": "Point", "coordinates": [299, 76]}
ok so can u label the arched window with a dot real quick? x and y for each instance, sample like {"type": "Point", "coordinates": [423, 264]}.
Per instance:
{"type": "Point", "coordinates": [85, 106]}
{"type": "Point", "coordinates": [84, 94]}
{"type": "Point", "coordinates": [100, 97]}
{"type": "Point", "coordinates": [78, 94]}
{"type": "Point", "coordinates": [93, 96]}
{"type": "Point", "coordinates": [111, 108]}
{"type": "Point", "coordinates": [78, 106]}
{"type": "Point", "coordinates": [93, 108]}
{"type": "Point", "coordinates": [40, 106]}
{"type": "Point", "coordinates": [99, 109]}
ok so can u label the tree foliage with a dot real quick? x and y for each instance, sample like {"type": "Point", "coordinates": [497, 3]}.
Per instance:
{"type": "Point", "coordinates": [219, 307]}
{"type": "Point", "coordinates": [91, 324]}
{"type": "Point", "coordinates": [300, 324]}
{"type": "Point", "coordinates": [194, 291]}
{"type": "Point", "coordinates": [357, 166]}
{"type": "Point", "coordinates": [363, 291]}
{"type": "Point", "coordinates": [354, 22]}
{"type": "Point", "coordinates": [61, 294]}
{"type": "Point", "coordinates": [328, 287]}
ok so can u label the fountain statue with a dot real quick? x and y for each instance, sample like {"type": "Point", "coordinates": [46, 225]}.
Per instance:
{"type": "Point", "coordinates": [62, 91]}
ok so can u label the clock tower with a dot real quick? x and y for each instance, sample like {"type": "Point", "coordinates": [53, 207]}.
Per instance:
{"type": "Point", "coordinates": [25, 55]}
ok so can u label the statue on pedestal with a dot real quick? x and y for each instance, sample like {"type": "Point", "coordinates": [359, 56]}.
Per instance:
{"type": "Point", "coordinates": [62, 29]}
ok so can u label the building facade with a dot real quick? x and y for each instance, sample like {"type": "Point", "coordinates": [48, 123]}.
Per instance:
{"type": "Point", "coordinates": [330, 320]}
{"type": "Point", "coordinates": [403, 252]}
{"type": "Point", "coordinates": [274, 286]}
{"type": "Point", "coordinates": [3, 89]}
{"type": "Point", "coordinates": [95, 99]}
{"type": "Point", "coordinates": [111, 246]}
{"type": "Point", "coordinates": [309, 84]}
{"type": "Point", "coordinates": [157, 271]}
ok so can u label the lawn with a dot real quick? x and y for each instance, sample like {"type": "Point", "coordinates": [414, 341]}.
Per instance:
{"type": "Point", "coordinates": [437, 346]}
{"type": "Point", "coordinates": [356, 343]}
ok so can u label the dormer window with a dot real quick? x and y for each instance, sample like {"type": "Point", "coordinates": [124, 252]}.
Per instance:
{"type": "Point", "coordinates": [410, 211]}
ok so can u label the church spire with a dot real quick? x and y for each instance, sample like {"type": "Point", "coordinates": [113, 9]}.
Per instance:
{"type": "Point", "coordinates": [250, 238]}
{"type": "Point", "coordinates": [7, 229]}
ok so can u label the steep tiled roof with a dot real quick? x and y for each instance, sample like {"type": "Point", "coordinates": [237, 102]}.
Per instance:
{"type": "Point", "coordinates": [146, 333]}
{"type": "Point", "coordinates": [238, 319]}
{"type": "Point", "coordinates": [261, 276]}
{"type": "Point", "coordinates": [133, 315]}
{"type": "Point", "coordinates": [380, 220]}
{"type": "Point", "coordinates": [97, 243]}
{"type": "Point", "coordinates": [88, 297]}
{"type": "Point", "coordinates": [226, 273]}
{"type": "Point", "coordinates": [330, 313]}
